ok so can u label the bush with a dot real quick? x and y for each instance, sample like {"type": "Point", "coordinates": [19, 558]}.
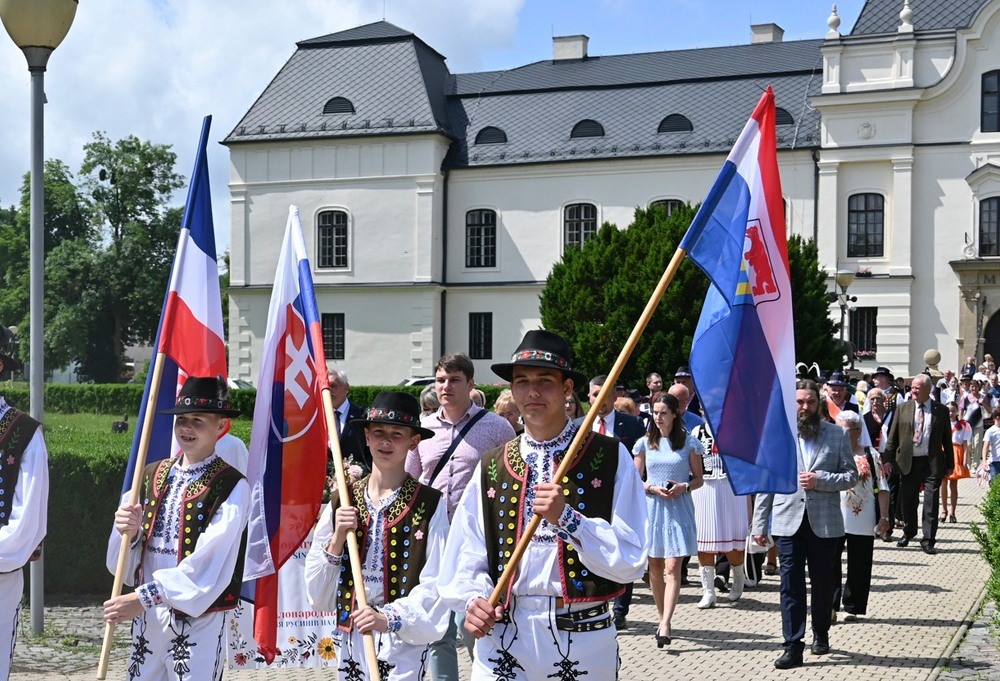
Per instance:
{"type": "Point", "coordinates": [85, 480]}
{"type": "Point", "coordinates": [989, 538]}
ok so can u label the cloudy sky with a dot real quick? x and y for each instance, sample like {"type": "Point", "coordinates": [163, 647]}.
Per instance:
{"type": "Point", "coordinates": [155, 68]}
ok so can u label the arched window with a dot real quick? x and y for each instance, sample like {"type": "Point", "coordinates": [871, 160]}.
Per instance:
{"type": "Point", "coordinates": [331, 240]}
{"type": "Point", "coordinates": [491, 135]}
{"type": "Point", "coordinates": [669, 205]}
{"type": "Point", "coordinates": [481, 238]}
{"type": "Point", "coordinates": [579, 223]}
{"type": "Point", "coordinates": [782, 117]}
{"type": "Point", "coordinates": [865, 225]}
{"type": "Point", "coordinates": [989, 226]}
{"type": "Point", "coordinates": [338, 105]}
{"type": "Point", "coordinates": [675, 123]}
{"type": "Point", "coordinates": [587, 128]}
{"type": "Point", "coordinates": [990, 104]}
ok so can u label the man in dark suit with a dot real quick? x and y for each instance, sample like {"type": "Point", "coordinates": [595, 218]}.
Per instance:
{"type": "Point", "coordinates": [352, 438]}
{"type": "Point", "coordinates": [627, 429]}
{"type": "Point", "coordinates": [918, 446]}
{"type": "Point", "coordinates": [839, 395]}
{"type": "Point", "coordinates": [808, 526]}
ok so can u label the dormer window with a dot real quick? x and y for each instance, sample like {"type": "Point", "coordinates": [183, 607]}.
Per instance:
{"type": "Point", "coordinates": [491, 135]}
{"type": "Point", "coordinates": [675, 123]}
{"type": "Point", "coordinates": [782, 117]}
{"type": "Point", "coordinates": [338, 105]}
{"type": "Point", "coordinates": [587, 128]}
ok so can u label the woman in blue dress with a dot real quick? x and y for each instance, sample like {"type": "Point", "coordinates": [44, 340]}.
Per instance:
{"type": "Point", "coordinates": [669, 460]}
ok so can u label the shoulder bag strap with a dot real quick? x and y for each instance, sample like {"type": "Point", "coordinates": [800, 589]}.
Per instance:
{"type": "Point", "coordinates": [454, 444]}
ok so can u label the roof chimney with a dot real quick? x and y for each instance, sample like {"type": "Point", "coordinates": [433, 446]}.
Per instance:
{"type": "Point", "coordinates": [569, 47]}
{"type": "Point", "coordinates": [766, 33]}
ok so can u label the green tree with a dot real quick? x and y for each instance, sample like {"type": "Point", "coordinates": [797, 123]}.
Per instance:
{"type": "Point", "coordinates": [129, 184]}
{"type": "Point", "coordinates": [814, 330]}
{"type": "Point", "coordinates": [595, 295]}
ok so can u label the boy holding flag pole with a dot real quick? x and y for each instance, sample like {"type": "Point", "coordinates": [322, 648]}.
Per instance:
{"type": "Point", "coordinates": [190, 343]}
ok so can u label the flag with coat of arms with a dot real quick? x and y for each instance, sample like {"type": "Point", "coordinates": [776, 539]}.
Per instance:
{"type": "Point", "coordinates": [743, 353]}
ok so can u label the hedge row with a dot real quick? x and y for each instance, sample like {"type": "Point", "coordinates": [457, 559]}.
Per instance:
{"type": "Point", "coordinates": [86, 476]}
{"type": "Point", "coordinates": [125, 398]}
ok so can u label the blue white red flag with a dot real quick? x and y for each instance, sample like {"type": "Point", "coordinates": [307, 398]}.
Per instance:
{"type": "Point", "coordinates": [190, 334]}
{"type": "Point", "coordinates": [287, 467]}
{"type": "Point", "coordinates": [743, 352]}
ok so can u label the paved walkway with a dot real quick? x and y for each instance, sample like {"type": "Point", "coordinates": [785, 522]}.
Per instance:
{"type": "Point", "coordinates": [919, 611]}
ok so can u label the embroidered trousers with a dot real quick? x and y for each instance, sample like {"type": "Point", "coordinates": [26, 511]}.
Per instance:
{"type": "Point", "coordinates": [177, 648]}
{"type": "Point", "coordinates": [529, 647]}
{"type": "Point", "coordinates": [397, 661]}
{"type": "Point", "coordinates": [11, 587]}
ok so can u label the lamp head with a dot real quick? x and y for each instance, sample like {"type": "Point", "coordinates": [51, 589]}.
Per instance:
{"type": "Point", "coordinates": [37, 25]}
{"type": "Point", "coordinates": [844, 277]}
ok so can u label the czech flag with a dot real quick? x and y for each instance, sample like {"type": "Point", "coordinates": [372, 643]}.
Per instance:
{"type": "Point", "coordinates": [743, 352]}
{"type": "Point", "coordinates": [190, 334]}
{"type": "Point", "coordinates": [287, 467]}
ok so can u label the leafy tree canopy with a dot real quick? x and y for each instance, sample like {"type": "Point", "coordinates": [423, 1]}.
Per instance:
{"type": "Point", "coordinates": [596, 294]}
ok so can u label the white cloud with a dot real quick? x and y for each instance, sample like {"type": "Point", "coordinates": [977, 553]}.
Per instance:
{"type": "Point", "coordinates": [155, 68]}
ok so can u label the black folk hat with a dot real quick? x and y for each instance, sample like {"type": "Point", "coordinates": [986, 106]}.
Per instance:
{"type": "Point", "coordinates": [682, 372]}
{"type": "Point", "coordinates": [837, 378]}
{"type": "Point", "coordinates": [540, 348]}
{"type": "Point", "coordinates": [882, 371]}
{"type": "Point", "coordinates": [203, 395]}
{"type": "Point", "coordinates": [8, 345]}
{"type": "Point", "coordinates": [395, 409]}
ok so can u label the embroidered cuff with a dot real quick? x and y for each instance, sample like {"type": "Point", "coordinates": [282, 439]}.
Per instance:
{"type": "Point", "coordinates": [149, 595]}
{"type": "Point", "coordinates": [570, 519]}
{"type": "Point", "coordinates": [393, 616]}
{"type": "Point", "coordinates": [332, 560]}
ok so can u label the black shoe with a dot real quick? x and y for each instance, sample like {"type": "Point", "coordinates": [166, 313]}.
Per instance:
{"type": "Point", "coordinates": [902, 543]}
{"type": "Point", "coordinates": [927, 547]}
{"type": "Point", "coordinates": [620, 622]}
{"type": "Point", "coordinates": [720, 584]}
{"type": "Point", "coordinates": [662, 640]}
{"type": "Point", "coordinates": [819, 647]}
{"type": "Point", "coordinates": [788, 660]}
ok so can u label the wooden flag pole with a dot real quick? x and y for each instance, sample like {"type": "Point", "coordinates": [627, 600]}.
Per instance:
{"type": "Point", "coordinates": [140, 465]}
{"type": "Point", "coordinates": [588, 420]}
{"type": "Point", "coordinates": [353, 552]}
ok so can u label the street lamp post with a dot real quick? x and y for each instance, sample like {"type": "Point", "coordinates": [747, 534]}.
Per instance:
{"type": "Point", "coordinates": [37, 27]}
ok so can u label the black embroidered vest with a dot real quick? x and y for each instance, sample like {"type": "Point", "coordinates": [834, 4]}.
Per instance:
{"type": "Point", "coordinates": [203, 498]}
{"type": "Point", "coordinates": [16, 431]}
{"type": "Point", "coordinates": [407, 526]}
{"type": "Point", "coordinates": [589, 488]}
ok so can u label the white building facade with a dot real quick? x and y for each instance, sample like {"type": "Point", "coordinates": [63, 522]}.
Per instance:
{"type": "Point", "coordinates": [435, 204]}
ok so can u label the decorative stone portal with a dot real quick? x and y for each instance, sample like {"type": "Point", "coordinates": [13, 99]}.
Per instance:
{"type": "Point", "coordinates": [979, 303]}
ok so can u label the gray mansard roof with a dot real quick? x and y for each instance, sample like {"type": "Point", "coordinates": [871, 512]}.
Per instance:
{"type": "Point", "coordinates": [397, 84]}
{"type": "Point", "coordinates": [882, 16]}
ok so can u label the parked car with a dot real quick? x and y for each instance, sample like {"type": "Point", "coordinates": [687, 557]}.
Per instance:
{"type": "Point", "coordinates": [419, 380]}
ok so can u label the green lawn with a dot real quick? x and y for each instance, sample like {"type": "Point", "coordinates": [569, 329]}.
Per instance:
{"type": "Point", "coordinates": [91, 433]}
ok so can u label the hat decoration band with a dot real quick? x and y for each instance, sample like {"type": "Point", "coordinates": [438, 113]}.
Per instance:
{"type": "Point", "coordinates": [202, 402]}
{"type": "Point", "coordinates": [393, 415]}
{"type": "Point", "coordinates": [527, 355]}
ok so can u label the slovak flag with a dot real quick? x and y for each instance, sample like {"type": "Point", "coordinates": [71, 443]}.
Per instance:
{"type": "Point", "coordinates": [287, 467]}
{"type": "Point", "coordinates": [190, 334]}
{"type": "Point", "coordinates": [743, 353]}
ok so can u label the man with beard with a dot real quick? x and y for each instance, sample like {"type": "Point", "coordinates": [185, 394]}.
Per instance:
{"type": "Point", "coordinates": [807, 526]}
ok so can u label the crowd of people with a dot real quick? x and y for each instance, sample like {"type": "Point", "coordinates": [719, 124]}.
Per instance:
{"type": "Point", "coordinates": [449, 491]}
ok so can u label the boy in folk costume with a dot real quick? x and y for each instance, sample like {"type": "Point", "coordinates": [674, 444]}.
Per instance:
{"type": "Point", "coordinates": [24, 494]}
{"type": "Point", "coordinates": [401, 527]}
{"type": "Point", "coordinates": [554, 620]}
{"type": "Point", "coordinates": [187, 543]}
